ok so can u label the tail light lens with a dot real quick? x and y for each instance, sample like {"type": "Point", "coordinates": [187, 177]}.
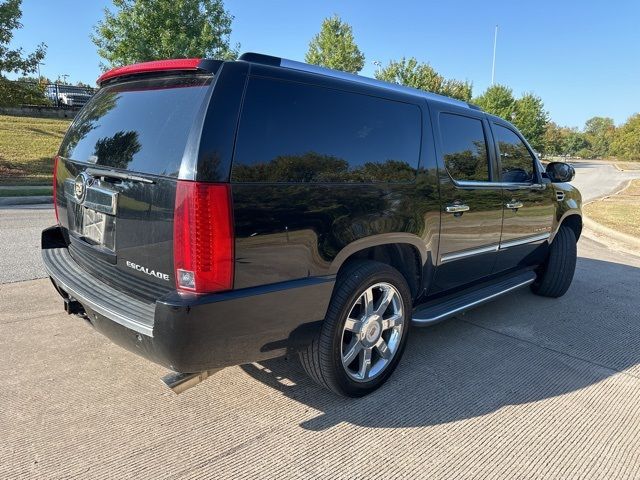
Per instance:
{"type": "Point", "coordinates": [203, 237]}
{"type": "Point", "coordinates": [55, 187]}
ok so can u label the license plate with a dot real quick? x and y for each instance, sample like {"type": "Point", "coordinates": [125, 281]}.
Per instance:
{"type": "Point", "coordinates": [93, 226]}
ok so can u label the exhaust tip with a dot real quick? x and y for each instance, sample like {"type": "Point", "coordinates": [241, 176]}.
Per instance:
{"type": "Point", "coordinates": [179, 382]}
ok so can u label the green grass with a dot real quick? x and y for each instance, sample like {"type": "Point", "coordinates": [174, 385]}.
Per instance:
{"type": "Point", "coordinates": [27, 148]}
{"type": "Point", "coordinates": [620, 212]}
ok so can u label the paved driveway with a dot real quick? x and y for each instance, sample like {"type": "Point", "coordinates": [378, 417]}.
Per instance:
{"type": "Point", "coordinates": [595, 179]}
{"type": "Point", "coordinates": [524, 387]}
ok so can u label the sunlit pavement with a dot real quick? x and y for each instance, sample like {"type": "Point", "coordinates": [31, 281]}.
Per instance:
{"type": "Point", "coordinates": [523, 387]}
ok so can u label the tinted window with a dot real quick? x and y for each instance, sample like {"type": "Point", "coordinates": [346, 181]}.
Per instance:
{"type": "Point", "coordinates": [140, 125]}
{"type": "Point", "coordinates": [291, 132]}
{"type": "Point", "coordinates": [464, 147]}
{"type": "Point", "coordinates": [517, 162]}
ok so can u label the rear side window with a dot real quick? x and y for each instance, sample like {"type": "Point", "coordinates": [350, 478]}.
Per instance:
{"type": "Point", "coordinates": [516, 161]}
{"type": "Point", "coordinates": [292, 132]}
{"type": "Point", "coordinates": [140, 125]}
{"type": "Point", "coordinates": [464, 147]}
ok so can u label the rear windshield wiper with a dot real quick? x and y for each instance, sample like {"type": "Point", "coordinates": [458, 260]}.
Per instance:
{"type": "Point", "coordinates": [95, 172]}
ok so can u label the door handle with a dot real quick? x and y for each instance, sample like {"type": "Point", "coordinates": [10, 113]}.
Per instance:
{"type": "Point", "coordinates": [514, 205]}
{"type": "Point", "coordinates": [456, 209]}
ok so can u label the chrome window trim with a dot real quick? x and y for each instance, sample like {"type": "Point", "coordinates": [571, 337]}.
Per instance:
{"type": "Point", "coordinates": [450, 257]}
{"type": "Point", "coordinates": [503, 185]}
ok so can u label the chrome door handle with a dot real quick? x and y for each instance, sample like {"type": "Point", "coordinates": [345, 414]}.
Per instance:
{"type": "Point", "coordinates": [513, 205]}
{"type": "Point", "coordinates": [456, 208]}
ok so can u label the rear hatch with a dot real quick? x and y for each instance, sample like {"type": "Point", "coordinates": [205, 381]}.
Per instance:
{"type": "Point", "coordinates": [116, 178]}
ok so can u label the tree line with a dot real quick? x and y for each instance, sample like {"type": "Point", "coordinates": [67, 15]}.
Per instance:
{"type": "Point", "coordinates": [141, 30]}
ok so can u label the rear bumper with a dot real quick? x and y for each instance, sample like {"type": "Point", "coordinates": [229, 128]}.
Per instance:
{"type": "Point", "coordinates": [192, 333]}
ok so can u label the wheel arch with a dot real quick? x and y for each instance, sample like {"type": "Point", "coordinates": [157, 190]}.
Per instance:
{"type": "Point", "coordinates": [572, 219]}
{"type": "Point", "coordinates": [405, 252]}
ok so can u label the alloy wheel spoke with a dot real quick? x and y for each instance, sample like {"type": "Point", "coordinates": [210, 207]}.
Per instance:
{"type": "Point", "coordinates": [383, 349]}
{"type": "Point", "coordinates": [365, 363]}
{"type": "Point", "coordinates": [393, 321]}
{"type": "Point", "coordinates": [386, 299]}
{"type": "Point", "coordinates": [367, 301]}
{"type": "Point", "coordinates": [352, 325]}
{"type": "Point", "coordinates": [352, 352]}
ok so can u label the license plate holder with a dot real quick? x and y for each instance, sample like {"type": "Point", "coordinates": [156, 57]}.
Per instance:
{"type": "Point", "coordinates": [93, 226]}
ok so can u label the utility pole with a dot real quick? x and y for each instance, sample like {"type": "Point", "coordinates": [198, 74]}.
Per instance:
{"type": "Point", "coordinates": [493, 67]}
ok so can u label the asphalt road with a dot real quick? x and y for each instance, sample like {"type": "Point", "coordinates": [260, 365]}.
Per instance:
{"type": "Point", "coordinates": [525, 387]}
{"type": "Point", "coordinates": [595, 180]}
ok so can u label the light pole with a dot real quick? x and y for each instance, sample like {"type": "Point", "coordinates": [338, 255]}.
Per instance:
{"type": "Point", "coordinates": [378, 65]}
{"type": "Point", "coordinates": [40, 76]}
{"type": "Point", "coordinates": [64, 78]}
{"type": "Point", "coordinates": [493, 67]}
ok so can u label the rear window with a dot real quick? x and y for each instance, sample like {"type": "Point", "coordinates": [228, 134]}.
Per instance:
{"type": "Point", "coordinates": [292, 132]}
{"type": "Point", "coordinates": [140, 125]}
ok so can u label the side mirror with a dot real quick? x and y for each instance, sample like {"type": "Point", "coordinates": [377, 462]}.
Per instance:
{"type": "Point", "coordinates": [559, 172]}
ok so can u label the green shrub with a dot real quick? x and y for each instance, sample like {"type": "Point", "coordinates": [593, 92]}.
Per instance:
{"type": "Point", "coordinates": [15, 94]}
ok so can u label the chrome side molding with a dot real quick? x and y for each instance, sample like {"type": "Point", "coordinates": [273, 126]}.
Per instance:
{"type": "Point", "coordinates": [450, 257]}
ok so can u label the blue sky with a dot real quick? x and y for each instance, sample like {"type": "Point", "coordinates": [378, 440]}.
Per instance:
{"type": "Point", "coordinates": [582, 58]}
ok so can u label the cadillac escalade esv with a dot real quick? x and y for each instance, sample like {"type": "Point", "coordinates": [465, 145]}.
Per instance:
{"type": "Point", "coordinates": [217, 213]}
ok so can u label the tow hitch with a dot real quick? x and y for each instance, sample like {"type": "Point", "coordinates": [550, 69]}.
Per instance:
{"type": "Point", "coordinates": [73, 307]}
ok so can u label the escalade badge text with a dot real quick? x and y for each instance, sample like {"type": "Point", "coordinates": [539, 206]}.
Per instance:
{"type": "Point", "coordinates": [153, 273]}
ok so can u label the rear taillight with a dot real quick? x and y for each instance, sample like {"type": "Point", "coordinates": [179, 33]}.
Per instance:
{"type": "Point", "coordinates": [55, 187]}
{"type": "Point", "coordinates": [203, 237]}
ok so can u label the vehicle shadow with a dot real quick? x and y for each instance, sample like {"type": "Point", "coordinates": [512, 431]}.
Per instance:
{"type": "Point", "coordinates": [520, 349]}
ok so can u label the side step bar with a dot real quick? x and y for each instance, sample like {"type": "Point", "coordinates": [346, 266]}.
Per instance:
{"type": "Point", "coordinates": [438, 310]}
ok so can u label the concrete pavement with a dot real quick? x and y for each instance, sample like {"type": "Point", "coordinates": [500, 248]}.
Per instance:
{"type": "Point", "coordinates": [20, 228]}
{"type": "Point", "coordinates": [525, 387]}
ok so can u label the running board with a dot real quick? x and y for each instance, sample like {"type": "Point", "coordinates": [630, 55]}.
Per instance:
{"type": "Point", "coordinates": [438, 310]}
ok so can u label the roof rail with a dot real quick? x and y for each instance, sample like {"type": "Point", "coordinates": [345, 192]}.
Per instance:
{"type": "Point", "coordinates": [305, 67]}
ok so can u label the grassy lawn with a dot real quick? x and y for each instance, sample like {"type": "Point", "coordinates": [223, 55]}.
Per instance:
{"type": "Point", "coordinates": [620, 212]}
{"type": "Point", "coordinates": [27, 148]}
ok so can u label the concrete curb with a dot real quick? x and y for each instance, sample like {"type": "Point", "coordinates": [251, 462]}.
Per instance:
{"type": "Point", "coordinates": [26, 200]}
{"type": "Point", "coordinates": [600, 230]}
{"type": "Point", "coordinates": [609, 232]}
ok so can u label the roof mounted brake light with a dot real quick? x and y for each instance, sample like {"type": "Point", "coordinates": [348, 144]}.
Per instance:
{"type": "Point", "coordinates": [149, 67]}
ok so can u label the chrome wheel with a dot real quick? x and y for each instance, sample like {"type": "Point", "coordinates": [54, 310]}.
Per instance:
{"type": "Point", "coordinates": [372, 332]}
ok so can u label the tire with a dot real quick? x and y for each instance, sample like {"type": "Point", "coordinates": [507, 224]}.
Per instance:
{"type": "Point", "coordinates": [557, 272]}
{"type": "Point", "coordinates": [324, 358]}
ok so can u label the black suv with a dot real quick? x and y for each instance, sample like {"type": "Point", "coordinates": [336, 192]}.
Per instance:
{"type": "Point", "coordinates": [217, 213]}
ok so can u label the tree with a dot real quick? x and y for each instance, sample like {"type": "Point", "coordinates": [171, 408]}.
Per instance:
{"type": "Point", "coordinates": [531, 119]}
{"type": "Point", "coordinates": [600, 132]}
{"type": "Point", "coordinates": [143, 30]}
{"type": "Point", "coordinates": [553, 139]}
{"type": "Point", "coordinates": [334, 47]}
{"type": "Point", "coordinates": [14, 60]}
{"type": "Point", "coordinates": [497, 100]}
{"type": "Point", "coordinates": [574, 142]}
{"type": "Point", "coordinates": [411, 73]}
{"type": "Point", "coordinates": [626, 143]}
